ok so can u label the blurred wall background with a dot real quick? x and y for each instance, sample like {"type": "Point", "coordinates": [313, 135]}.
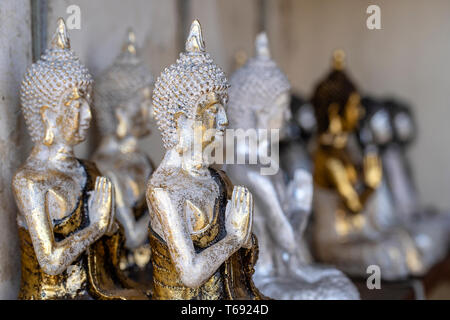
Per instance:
{"type": "Point", "coordinates": [408, 58]}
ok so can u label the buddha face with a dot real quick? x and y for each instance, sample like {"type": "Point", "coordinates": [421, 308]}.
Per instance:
{"type": "Point", "coordinates": [380, 127]}
{"type": "Point", "coordinates": [306, 119]}
{"type": "Point", "coordinates": [211, 118]}
{"type": "Point", "coordinates": [352, 112]}
{"type": "Point", "coordinates": [274, 116]}
{"type": "Point", "coordinates": [403, 126]}
{"type": "Point", "coordinates": [134, 116]}
{"type": "Point", "coordinates": [70, 122]}
{"type": "Point", "coordinates": [209, 122]}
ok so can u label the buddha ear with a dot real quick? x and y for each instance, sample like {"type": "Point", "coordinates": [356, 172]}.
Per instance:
{"type": "Point", "coordinates": [122, 125]}
{"type": "Point", "coordinates": [180, 124]}
{"type": "Point", "coordinates": [335, 123]}
{"type": "Point", "coordinates": [48, 135]}
{"type": "Point", "coordinates": [180, 119]}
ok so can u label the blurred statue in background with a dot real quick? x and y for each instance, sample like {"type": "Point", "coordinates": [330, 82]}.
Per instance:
{"type": "Point", "coordinates": [200, 229]}
{"type": "Point", "coordinates": [350, 231]}
{"type": "Point", "coordinates": [259, 99]}
{"type": "Point", "coordinates": [296, 138]}
{"type": "Point", "coordinates": [122, 111]}
{"type": "Point", "coordinates": [70, 243]}
{"type": "Point", "coordinates": [295, 156]}
{"type": "Point", "coordinates": [389, 127]}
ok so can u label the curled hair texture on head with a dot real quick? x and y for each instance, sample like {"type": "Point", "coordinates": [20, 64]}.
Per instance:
{"type": "Point", "coordinates": [45, 82]}
{"type": "Point", "coordinates": [119, 84]}
{"type": "Point", "coordinates": [255, 86]}
{"type": "Point", "coordinates": [336, 88]}
{"type": "Point", "coordinates": [179, 87]}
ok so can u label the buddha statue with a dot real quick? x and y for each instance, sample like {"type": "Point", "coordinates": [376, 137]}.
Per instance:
{"type": "Point", "coordinates": [200, 225]}
{"type": "Point", "coordinates": [348, 231]}
{"type": "Point", "coordinates": [122, 110]}
{"type": "Point", "coordinates": [389, 127]}
{"type": "Point", "coordinates": [372, 135]}
{"type": "Point", "coordinates": [70, 242]}
{"type": "Point", "coordinates": [259, 100]}
{"type": "Point", "coordinates": [403, 128]}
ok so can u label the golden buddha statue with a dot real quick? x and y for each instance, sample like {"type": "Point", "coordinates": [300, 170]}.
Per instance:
{"type": "Point", "coordinates": [122, 110]}
{"type": "Point", "coordinates": [70, 242]}
{"type": "Point", "coordinates": [348, 226]}
{"type": "Point", "coordinates": [200, 226]}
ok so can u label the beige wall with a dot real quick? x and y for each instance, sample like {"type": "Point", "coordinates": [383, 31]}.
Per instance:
{"type": "Point", "coordinates": [15, 55]}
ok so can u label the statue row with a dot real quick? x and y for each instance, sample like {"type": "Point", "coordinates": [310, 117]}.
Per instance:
{"type": "Point", "coordinates": [117, 228]}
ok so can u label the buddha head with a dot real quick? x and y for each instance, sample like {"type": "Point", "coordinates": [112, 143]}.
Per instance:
{"type": "Point", "coordinates": [259, 92]}
{"type": "Point", "coordinates": [56, 93]}
{"type": "Point", "coordinates": [403, 123]}
{"type": "Point", "coordinates": [123, 95]}
{"type": "Point", "coordinates": [336, 104]}
{"type": "Point", "coordinates": [190, 96]}
{"type": "Point", "coordinates": [375, 126]}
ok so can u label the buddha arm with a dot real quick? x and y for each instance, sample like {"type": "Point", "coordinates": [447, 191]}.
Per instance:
{"type": "Point", "coordinates": [136, 231]}
{"type": "Point", "coordinates": [344, 186]}
{"type": "Point", "coordinates": [276, 219]}
{"type": "Point", "coordinates": [194, 268]}
{"type": "Point", "coordinates": [53, 257]}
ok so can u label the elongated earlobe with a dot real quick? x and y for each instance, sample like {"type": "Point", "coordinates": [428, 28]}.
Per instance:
{"type": "Point", "coordinates": [49, 136]}
{"type": "Point", "coordinates": [180, 121]}
{"type": "Point", "coordinates": [335, 123]}
{"type": "Point", "coordinates": [122, 126]}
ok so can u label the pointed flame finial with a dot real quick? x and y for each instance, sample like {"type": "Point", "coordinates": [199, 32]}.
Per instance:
{"type": "Point", "coordinates": [338, 59]}
{"type": "Point", "coordinates": [60, 38]}
{"type": "Point", "coordinates": [130, 44]}
{"type": "Point", "coordinates": [262, 45]}
{"type": "Point", "coordinates": [194, 42]}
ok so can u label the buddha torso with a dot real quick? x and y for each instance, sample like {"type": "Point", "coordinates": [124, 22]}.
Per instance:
{"type": "Point", "coordinates": [330, 206]}
{"type": "Point", "coordinates": [270, 256]}
{"type": "Point", "coordinates": [68, 215]}
{"type": "Point", "coordinates": [85, 277]}
{"type": "Point", "coordinates": [278, 273]}
{"type": "Point", "coordinates": [132, 171]}
{"type": "Point", "coordinates": [203, 202]}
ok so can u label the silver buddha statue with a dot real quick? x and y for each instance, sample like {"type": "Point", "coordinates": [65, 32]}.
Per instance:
{"type": "Point", "coordinates": [200, 225]}
{"type": "Point", "coordinates": [123, 111]}
{"type": "Point", "coordinates": [69, 238]}
{"type": "Point", "coordinates": [389, 127]}
{"type": "Point", "coordinates": [259, 99]}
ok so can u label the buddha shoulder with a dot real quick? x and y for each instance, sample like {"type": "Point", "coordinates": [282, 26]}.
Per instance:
{"type": "Point", "coordinates": [168, 178]}
{"type": "Point", "coordinates": [29, 179]}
